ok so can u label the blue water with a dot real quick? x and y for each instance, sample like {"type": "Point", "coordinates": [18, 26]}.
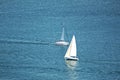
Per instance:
{"type": "Point", "coordinates": [29, 29]}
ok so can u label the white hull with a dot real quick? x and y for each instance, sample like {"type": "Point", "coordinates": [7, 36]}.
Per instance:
{"type": "Point", "coordinates": [62, 43]}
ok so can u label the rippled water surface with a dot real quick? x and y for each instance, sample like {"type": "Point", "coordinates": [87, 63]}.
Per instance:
{"type": "Point", "coordinates": [29, 29]}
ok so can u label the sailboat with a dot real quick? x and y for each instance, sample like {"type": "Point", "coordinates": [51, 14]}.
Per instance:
{"type": "Point", "coordinates": [71, 51]}
{"type": "Point", "coordinates": [62, 41]}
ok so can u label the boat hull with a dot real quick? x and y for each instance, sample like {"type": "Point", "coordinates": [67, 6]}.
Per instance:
{"type": "Point", "coordinates": [62, 43]}
{"type": "Point", "coordinates": [70, 58]}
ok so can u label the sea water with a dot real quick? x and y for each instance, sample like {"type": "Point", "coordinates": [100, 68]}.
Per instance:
{"type": "Point", "coordinates": [29, 29]}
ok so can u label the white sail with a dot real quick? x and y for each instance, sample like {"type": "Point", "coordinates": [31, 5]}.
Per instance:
{"type": "Point", "coordinates": [62, 36]}
{"type": "Point", "coordinates": [72, 51]}
{"type": "Point", "coordinates": [68, 51]}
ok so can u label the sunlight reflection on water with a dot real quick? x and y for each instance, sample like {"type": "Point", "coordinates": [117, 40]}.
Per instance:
{"type": "Point", "coordinates": [72, 73]}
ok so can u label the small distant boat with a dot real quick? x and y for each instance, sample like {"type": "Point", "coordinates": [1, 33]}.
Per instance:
{"type": "Point", "coordinates": [62, 41]}
{"type": "Point", "coordinates": [71, 51]}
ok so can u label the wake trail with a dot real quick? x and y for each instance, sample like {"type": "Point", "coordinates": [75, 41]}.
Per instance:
{"type": "Point", "coordinates": [25, 42]}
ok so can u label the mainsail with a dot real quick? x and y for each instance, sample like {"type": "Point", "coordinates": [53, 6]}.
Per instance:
{"type": "Point", "coordinates": [72, 51]}
{"type": "Point", "coordinates": [62, 36]}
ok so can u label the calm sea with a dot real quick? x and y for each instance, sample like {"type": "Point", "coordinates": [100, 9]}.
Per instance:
{"type": "Point", "coordinates": [29, 29]}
